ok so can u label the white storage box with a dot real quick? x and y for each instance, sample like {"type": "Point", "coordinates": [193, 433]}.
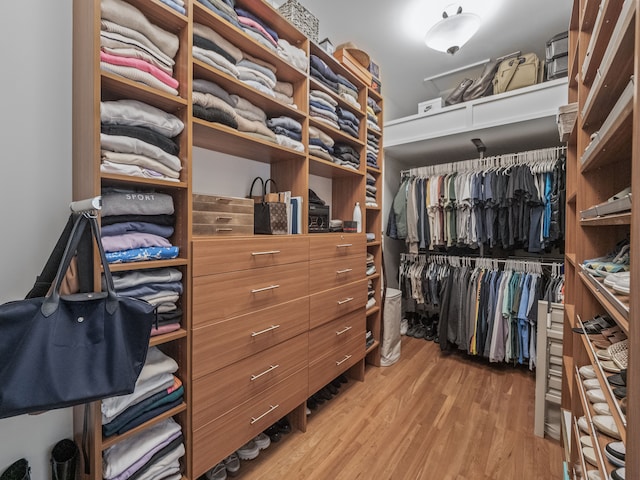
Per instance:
{"type": "Point", "coordinates": [430, 106]}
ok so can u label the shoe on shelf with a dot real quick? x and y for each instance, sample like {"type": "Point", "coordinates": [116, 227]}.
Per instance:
{"type": "Point", "coordinates": [616, 453]}
{"type": "Point", "coordinates": [232, 464]}
{"type": "Point", "coordinates": [587, 372]}
{"type": "Point", "coordinates": [332, 390]}
{"type": "Point", "coordinates": [618, 379]}
{"type": "Point", "coordinates": [308, 411]}
{"type": "Point", "coordinates": [601, 408]}
{"type": "Point", "coordinates": [610, 366]}
{"type": "Point", "coordinates": [593, 263]}
{"type": "Point", "coordinates": [318, 398]}
{"type": "Point", "coordinates": [595, 325]}
{"type": "Point", "coordinates": [620, 392]}
{"type": "Point", "coordinates": [607, 425]}
{"type": "Point", "coordinates": [586, 441]}
{"type": "Point", "coordinates": [273, 433]}
{"type": "Point", "coordinates": [583, 425]}
{"type": "Point", "coordinates": [18, 470]}
{"type": "Point", "coordinates": [590, 455]}
{"type": "Point", "coordinates": [284, 425]}
{"type": "Point", "coordinates": [591, 383]}
{"type": "Point", "coordinates": [614, 278]}
{"type": "Point", "coordinates": [262, 441]}
{"type": "Point", "coordinates": [219, 472]}
{"type": "Point", "coordinates": [343, 378]}
{"type": "Point", "coordinates": [248, 451]}
{"type": "Point", "coordinates": [336, 382]}
{"type": "Point", "coordinates": [312, 403]}
{"type": "Point", "coordinates": [596, 396]}
{"type": "Point", "coordinates": [623, 405]}
{"type": "Point", "coordinates": [618, 474]}
{"type": "Point", "coordinates": [593, 475]}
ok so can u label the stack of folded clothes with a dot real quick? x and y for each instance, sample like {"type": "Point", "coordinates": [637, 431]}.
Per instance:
{"type": "Point", "coordinates": [257, 73]}
{"type": "Point", "coordinates": [283, 91]}
{"type": "Point", "coordinates": [320, 144]}
{"type": "Point", "coordinates": [373, 109]}
{"type": "Point", "coordinates": [213, 103]}
{"type": "Point", "coordinates": [348, 91]}
{"type": "Point", "coordinates": [224, 9]}
{"type": "Point", "coordinates": [161, 287]}
{"type": "Point", "coordinates": [139, 140]}
{"type": "Point", "coordinates": [348, 122]}
{"type": "Point", "coordinates": [371, 191]}
{"type": "Point", "coordinates": [614, 262]}
{"type": "Point", "coordinates": [214, 50]}
{"type": "Point", "coordinates": [136, 225]}
{"type": "Point", "coordinates": [293, 55]}
{"type": "Point", "coordinates": [288, 132]}
{"type": "Point", "coordinates": [157, 390]}
{"type": "Point", "coordinates": [323, 108]}
{"type": "Point", "coordinates": [321, 72]}
{"type": "Point", "coordinates": [133, 47]}
{"type": "Point", "coordinates": [346, 155]}
{"type": "Point", "coordinates": [152, 453]}
{"type": "Point", "coordinates": [258, 29]}
{"type": "Point", "coordinates": [373, 149]}
{"type": "Point", "coordinates": [252, 119]}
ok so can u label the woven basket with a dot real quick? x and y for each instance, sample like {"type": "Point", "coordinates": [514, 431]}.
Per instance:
{"type": "Point", "coordinates": [302, 18]}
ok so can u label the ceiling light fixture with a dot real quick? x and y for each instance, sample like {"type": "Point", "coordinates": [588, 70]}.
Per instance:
{"type": "Point", "coordinates": [453, 31]}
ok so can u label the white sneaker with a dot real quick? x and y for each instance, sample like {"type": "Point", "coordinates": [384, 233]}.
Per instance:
{"type": "Point", "coordinates": [262, 441]}
{"type": "Point", "coordinates": [404, 326]}
{"type": "Point", "coordinates": [219, 472]}
{"type": "Point", "coordinates": [248, 451]}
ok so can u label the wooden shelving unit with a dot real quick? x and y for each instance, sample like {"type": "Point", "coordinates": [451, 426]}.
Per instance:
{"type": "Point", "coordinates": [604, 38]}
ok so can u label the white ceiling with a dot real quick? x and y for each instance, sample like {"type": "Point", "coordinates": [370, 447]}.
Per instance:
{"type": "Point", "coordinates": [391, 32]}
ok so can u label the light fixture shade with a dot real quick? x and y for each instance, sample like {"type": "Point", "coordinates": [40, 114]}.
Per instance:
{"type": "Point", "coordinates": [452, 32]}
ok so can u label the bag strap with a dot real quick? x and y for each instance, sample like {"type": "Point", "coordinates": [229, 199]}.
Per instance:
{"type": "Point", "coordinates": [50, 304]}
{"type": "Point", "coordinates": [85, 263]}
{"type": "Point", "coordinates": [513, 67]}
{"type": "Point", "coordinates": [267, 182]}
{"type": "Point", "coordinates": [263, 187]}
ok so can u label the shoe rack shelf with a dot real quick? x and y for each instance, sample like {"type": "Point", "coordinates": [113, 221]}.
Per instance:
{"type": "Point", "coordinates": [602, 159]}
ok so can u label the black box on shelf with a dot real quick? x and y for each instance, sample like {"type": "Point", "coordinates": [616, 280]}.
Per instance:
{"type": "Point", "coordinates": [318, 218]}
{"type": "Point", "coordinates": [350, 226]}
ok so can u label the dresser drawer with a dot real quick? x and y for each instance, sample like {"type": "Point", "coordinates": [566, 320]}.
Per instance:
{"type": "Point", "coordinates": [212, 223]}
{"type": "Point", "coordinates": [337, 245]}
{"type": "Point", "coordinates": [331, 304]}
{"type": "Point", "coordinates": [332, 336]}
{"type": "Point", "coordinates": [326, 274]}
{"type": "Point", "coordinates": [325, 369]}
{"type": "Point", "coordinates": [224, 435]}
{"type": "Point", "coordinates": [212, 256]}
{"type": "Point", "coordinates": [216, 297]}
{"type": "Point", "coordinates": [219, 392]}
{"type": "Point", "coordinates": [222, 343]}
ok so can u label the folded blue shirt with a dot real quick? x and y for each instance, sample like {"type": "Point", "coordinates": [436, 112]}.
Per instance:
{"type": "Point", "coordinates": [143, 254]}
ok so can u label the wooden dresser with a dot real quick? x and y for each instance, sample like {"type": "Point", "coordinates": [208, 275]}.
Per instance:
{"type": "Point", "coordinates": [275, 318]}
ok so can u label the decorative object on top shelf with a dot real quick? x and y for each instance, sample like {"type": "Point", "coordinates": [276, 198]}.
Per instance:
{"type": "Point", "coordinates": [453, 31]}
{"type": "Point", "coordinates": [374, 69]}
{"type": "Point", "coordinates": [302, 18]}
{"type": "Point", "coordinates": [327, 46]}
{"type": "Point", "coordinates": [355, 60]}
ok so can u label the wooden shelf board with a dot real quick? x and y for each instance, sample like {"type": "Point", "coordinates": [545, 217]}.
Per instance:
{"type": "Point", "coordinates": [376, 243]}
{"type": "Point", "coordinates": [571, 197]}
{"type": "Point", "coordinates": [573, 69]}
{"type": "Point", "coordinates": [606, 302]}
{"type": "Point", "coordinates": [373, 310]}
{"type": "Point", "coordinates": [373, 346]}
{"type": "Point", "coordinates": [336, 66]}
{"type": "Point", "coordinates": [614, 144]}
{"type": "Point", "coordinates": [570, 314]}
{"type": "Point", "coordinates": [571, 257]}
{"type": "Point", "coordinates": [615, 219]}
{"type": "Point", "coordinates": [327, 169]}
{"type": "Point", "coordinates": [110, 441]}
{"type": "Point", "coordinates": [375, 95]}
{"type": "Point", "coordinates": [374, 131]}
{"type": "Point", "coordinates": [373, 169]}
{"type": "Point", "coordinates": [589, 14]}
{"type": "Point", "coordinates": [167, 337]}
{"type": "Point", "coordinates": [220, 138]}
{"type": "Point", "coordinates": [124, 267]}
{"type": "Point", "coordinates": [315, 84]}
{"type": "Point", "coordinates": [610, 12]}
{"type": "Point", "coordinates": [115, 87]}
{"type": "Point", "coordinates": [615, 77]}
{"type": "Point", "coordinates": [374, 209]}
{"type": "Point", "coordinates": [374, 276]}
{"type": "Point", "coordinates": [230, 84]}
{"type": "Point", "coordinates": [112, 177]}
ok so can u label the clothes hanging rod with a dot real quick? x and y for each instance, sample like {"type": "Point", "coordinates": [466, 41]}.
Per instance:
{"type": "Point", "coordinates": [485, 162]}
{"type": "Point", "coordinates": [86, 205]}
{"type": "Point", "coordinates": [405, 256]}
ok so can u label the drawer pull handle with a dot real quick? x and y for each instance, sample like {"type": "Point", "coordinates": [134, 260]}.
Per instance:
{"type": "Point", "coordinates": [224, 218]}
{"type": "Point", "coordinates": [272, 327]}
{"type": "Point", "coordinates": [271, 409]}
{"type": "Point", "coordinates": [346, 300]}
{"type": "Point", "coordinates": [223, 200]}
{"type": "Point", "coordinates": [344, 245]}
{"type": "Point", "coordinates": [346, 270]}
{"type": "Point", "coordinates": [270, 287]}
{"type": "Point", "coordinates": [344, 330]}
{"type": "Point", "coordinates": [224, 229]}
{"type": "Point", "coordinates": [346, 357]}
{"type": "Point", "coordinates": [270, 369]}
{"type": "Point", "coordinates": [270, 252]}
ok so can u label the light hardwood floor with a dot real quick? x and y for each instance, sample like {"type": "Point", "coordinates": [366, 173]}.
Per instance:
{"type": "Point", "coordinates": [430, 416]}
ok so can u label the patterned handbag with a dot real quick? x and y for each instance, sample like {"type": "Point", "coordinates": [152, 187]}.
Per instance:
{"type": "Point", "coordinates": [269, 218]}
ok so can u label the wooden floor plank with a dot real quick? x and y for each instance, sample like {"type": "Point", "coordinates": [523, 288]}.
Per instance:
{"type": "Point", "coordinates": [428, 417]}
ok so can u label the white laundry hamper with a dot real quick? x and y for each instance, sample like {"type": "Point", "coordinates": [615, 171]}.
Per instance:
{"type": "Point", "coordinates": [391, 338]}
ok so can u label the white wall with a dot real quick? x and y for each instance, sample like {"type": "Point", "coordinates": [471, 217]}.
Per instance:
{"type": "Point", "coordinates": [35, 184]}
